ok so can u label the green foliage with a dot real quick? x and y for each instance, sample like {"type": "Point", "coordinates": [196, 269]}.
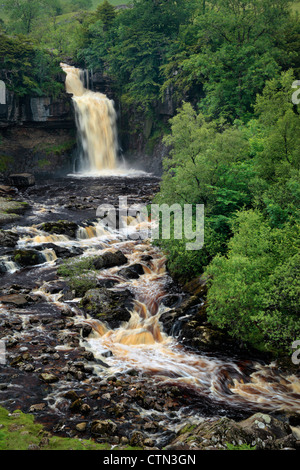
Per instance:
{"type": "Point", "coordinates": [207, 165]}
{"type": "Point", "coordinates": [106, 13]}
{"type": "Point", "coordinates": [4, 162]}
{"type": "Point", "coordinates": [26, 68]}
{"type": "Point", "coordinates": [254, 288]}
{"type": "Point", "coordinates": [58, 149]}
{"type": "Point", "coordinates": [133, 49]}
{"type": "Point", "coordinates": [247, 176]}
{"type": "Point", "coordinates": [227, 54]}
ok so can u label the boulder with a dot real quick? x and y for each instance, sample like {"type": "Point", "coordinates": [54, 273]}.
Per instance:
{"type": "Point", "coordinates": [267, 431]}
{"type": "Point", "coordinates": [60, 251]}
{"type": "Point", "coordinates": [132, 272]}
{"type": "Point", "coordinates": [49, 378]}
{"type": "Point", "coordinates": [105, 427]}
{"type": "Point", "coordinates": [110, 259]}
{"type": "Point", "coordinates": [60, 227]}
{"type": "Point", "coordinates": [108, 306]}
{"type": "Point", "coordinates": [26, 258]}
{"type": "Point", "coordinates": [8, 238]}
{"type": "Point", "coordinates": [18, 300]}
{"type": "Point", "coordinates": [22, 180]}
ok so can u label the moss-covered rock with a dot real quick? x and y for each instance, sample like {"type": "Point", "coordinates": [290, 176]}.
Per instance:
{"type": "Point", "coordinates": [10, 210]}
{"type": "Point", "coordinates": [25, 258]}
{"type": "Point", "coordinates": [108, 306]}
{"type": "Point", "coordinates": [60, 227]}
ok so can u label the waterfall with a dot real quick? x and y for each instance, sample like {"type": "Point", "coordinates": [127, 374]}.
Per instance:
{"type": "Point", "coordinates": [95, 121]}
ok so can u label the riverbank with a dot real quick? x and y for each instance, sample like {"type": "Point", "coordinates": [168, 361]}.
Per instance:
{"type": "Point", "coordinates": [110, 362]}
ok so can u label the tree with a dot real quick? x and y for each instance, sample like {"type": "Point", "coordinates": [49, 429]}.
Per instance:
{"type": "Point", "coordinates": [233, 50]}
{"type": "Point", "coordinates": [207, 165]}
{"type": "Point", "coordinates": [26, 68]}
{"type": "Point", "coordinates": [254, 288]}
{"type": "Point", "coordinates": [134, 46]}
{"type": "Point", "coordinates": [106, 13]}
{"type": "Point", "coordinates": [23, 14]}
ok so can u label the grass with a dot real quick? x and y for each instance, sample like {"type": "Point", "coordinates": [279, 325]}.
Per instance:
{"type": "Point", "coordinates": [19, 431]}
{"type": "Point", "coordinates": [79, 273]}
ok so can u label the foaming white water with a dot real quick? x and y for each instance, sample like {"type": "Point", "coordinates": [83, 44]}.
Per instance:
{"type": "Point", "coordinates": [116, 172]}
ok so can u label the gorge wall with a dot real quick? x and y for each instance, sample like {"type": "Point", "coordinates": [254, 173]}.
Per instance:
{"type": "Point", "coordinates": [38, 134]}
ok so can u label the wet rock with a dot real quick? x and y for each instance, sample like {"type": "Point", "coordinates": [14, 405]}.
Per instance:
{"type": "Point", "coordinates": [66, 311]}
{"type": "Point", "coordinates": [14, 299]}
{"type": "Point", "coordinates": [148, 442]}
{"type": "Point", "coordinates": [81, 427]}
{"type": "Point", "coordinates": [60, 227]}
{"type": "Point", "coordinates": [105, 427]}
{"type": "Point", "coordinates": [108, 283]}
{"type": "Point", "coordinates": [60, 251]}
{"type": "Point", "coordinates": [26, 258]}
{"type": "Point", "coordinates": [132, 272]}
{"type": "Point", "coordinates": [86, 330]}
{"type": "Point", "coordinates": [108, 306]}
{"type": "Point", "coordinates": [76, 405]}
{"type": "Point", "coordinates": [137, 439]}
{"type": "Point", "coordinates": [266, 429]}
{"type": "Point", "coordinates": [8, 238]}
{"type": "Point", "coordinates": [197, 286]}
{"type": "Point", "coordinates": [204, 337]}
{"type": "Point", "coordinates": [49, 378]}
{"type": "Point", "coordinates": [37, 407]}
{"type": "Point", "coordinates": [110, 259]}
{"type": "Point", "coordinates": [22, 180]}
{"type": "Point", "coordinates": [260, 431]}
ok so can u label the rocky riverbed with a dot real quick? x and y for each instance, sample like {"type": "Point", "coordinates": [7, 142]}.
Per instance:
{"type": "Point", "coordinates": [102, 343]}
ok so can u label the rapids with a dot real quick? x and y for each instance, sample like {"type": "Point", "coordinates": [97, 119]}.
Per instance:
{"type": "Point", "coordinates": [141, 343]}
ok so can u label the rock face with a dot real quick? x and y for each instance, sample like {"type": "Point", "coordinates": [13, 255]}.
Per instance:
{"type": "Point", "coordinates": [108, 306]}
{"type": "Point", "coordinates": [260, 431]}
{"type": "Point", "coordinates": [44, 111]}
{"type": "Point", "coordinates": [37, 134]}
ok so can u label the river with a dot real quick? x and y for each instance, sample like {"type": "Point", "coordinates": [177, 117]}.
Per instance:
{"type": "Point", "coordinates": [72, 366]}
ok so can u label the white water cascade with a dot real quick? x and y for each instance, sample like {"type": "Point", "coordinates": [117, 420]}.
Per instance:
{"type": "Point", "coordinates": [96, 124]}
